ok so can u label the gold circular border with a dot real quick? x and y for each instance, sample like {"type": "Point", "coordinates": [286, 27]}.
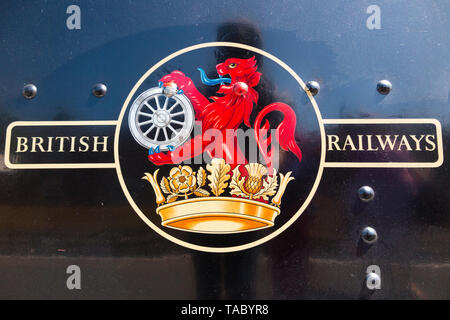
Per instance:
{"type": "Point", "coordinates": [221, 249]}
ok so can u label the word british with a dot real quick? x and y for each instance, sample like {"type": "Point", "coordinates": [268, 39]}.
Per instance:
{"type": "Point", "coordinates": [62, 144]}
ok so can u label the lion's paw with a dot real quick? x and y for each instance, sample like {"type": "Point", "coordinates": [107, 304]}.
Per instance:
{"type": "Point", "coordinates": [179, 78]}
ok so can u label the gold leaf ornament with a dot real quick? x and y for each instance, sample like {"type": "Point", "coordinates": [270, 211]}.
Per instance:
{"type": "Point", "coordinates": [165, 187]}
{"type": "Point", "coordinates": [284, 180]}
{"type": "Point", "coordinates": [153, 179]}
{"type": "Point", "coordinates": [172, 198]}
{"type": "Point", "coordinates": [201, 177]}
{"type": "Point", "coordinates": [201, 192]}
{"type": "Point", "coordinates": [219, 175]}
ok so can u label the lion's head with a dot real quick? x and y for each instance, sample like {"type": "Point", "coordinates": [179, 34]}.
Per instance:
{"type": "Point", "coordinates": [240, 70]}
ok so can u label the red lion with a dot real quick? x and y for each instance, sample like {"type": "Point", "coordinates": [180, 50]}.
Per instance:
{"type": "Point", "coordinates": [229, 111]}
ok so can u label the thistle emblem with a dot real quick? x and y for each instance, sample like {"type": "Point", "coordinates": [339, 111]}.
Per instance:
{"type": "Point", "coordinates": [254, 182]}
{"type": "Point", "coordinates": [256, 185]}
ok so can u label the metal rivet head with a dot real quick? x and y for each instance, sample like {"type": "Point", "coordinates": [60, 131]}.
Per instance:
{"type": "Point", "coordinates": [384, 87]}
{"type": "Point", "coordinates": [366, 193]}
{"type": "Point", "coordinates": [369, 235]}
{"type": "Point", "coordinates": [313, 87]}
{"type": "Point", "coordinates": [99, 90]}
{"type": "Point", "coordinates": [29, 91]}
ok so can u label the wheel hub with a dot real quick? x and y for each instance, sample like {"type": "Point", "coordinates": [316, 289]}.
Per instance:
{"type": "Point", "coordinates": [158, 119]}
{"type": "Point", "coordinates": [161, 118]}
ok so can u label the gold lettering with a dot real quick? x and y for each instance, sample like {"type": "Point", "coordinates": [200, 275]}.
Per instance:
{"type": "Point", "coordinates": [83, 142]}
{"type": "Point", "coordinates": [349, 141]}
{"type": "Point", "coordinates": [22, 144]}
{"type": "Point", "coordinates": [104, 143]}
{"type": "Point", "coordinates": [431, 143]}
{"type": "Point", "coordinates": [333, 141]}
{"type": "Point", "coordinates": [417, 141]}
{"type": "Point", "coordinates": [404, 141]}
{"type": "Point", "coordinates": [50, 144]}
{"type": "Point", "coordinates": [369, 143]}
{"type": "Point", "coordinates": [388, 140]}
{"type": "Point", "coordinates": [35, 144]}
{"type": "Point", "coordinates": [360, 142]}
{"type": "Point", "coordinates": [72, 144]}
{"type": "Point", "coordinates": [61, 143]}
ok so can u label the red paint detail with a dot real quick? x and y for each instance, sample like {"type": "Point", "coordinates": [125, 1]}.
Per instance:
{"type": "Point", "coordinates": [228, 111]}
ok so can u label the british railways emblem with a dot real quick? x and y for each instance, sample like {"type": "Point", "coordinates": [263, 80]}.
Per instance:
{"type": "Point", "coordinates": [222, 157]}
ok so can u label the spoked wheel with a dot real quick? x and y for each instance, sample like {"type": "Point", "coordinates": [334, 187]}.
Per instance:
{"type": "Point", "coordinates": [157, 119]}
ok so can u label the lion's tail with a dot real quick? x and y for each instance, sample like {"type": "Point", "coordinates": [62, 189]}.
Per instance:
{"type": "Point", "coordinates": [285, 132]}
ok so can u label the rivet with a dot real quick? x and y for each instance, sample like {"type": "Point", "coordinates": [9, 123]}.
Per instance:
{"type": "Point", "coordinates": [313, 87]}
{"type": "Point", "coordinates": [99, 90]}
{"type": "Point", "coordinates": [29, 91]}
{"type": "Point", "coordinates": [366, 193]}
{"type": "Point", "coordinates": [384, 87]}
{"type": "Point", "coordinates": [369, 235]}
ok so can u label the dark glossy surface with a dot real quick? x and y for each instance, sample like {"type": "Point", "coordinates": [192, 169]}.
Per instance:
{"type": "Point", "coordinates": [50, 219]}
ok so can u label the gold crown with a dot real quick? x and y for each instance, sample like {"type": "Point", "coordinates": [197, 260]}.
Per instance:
{"type": "Point", "coordinates": [248, 208]}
